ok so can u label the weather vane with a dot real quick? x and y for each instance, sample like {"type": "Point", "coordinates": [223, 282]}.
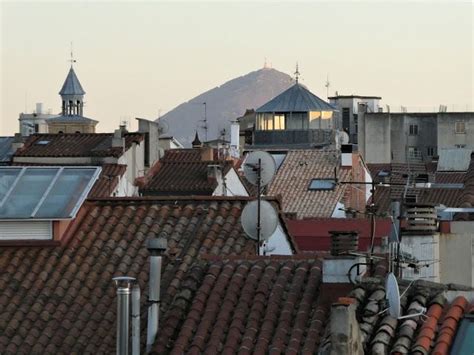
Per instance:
{"type": "Point", "coordinates": [297, 73]}
{"type": "Point", "coordinates": [72, 60]}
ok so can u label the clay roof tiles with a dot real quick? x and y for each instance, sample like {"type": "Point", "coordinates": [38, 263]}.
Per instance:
{"type": "Point", "coordinates": [293, 178]}
{"type": "Point", "coordinates": [62, 300]}
{"type": "Point", "coordinates": [108, 180]}
{"type": "Point", "coordinates": [75, 145]}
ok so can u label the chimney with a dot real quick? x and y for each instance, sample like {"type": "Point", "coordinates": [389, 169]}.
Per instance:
{"type": "Point", "coordinates": [156, 247]}
{"type": "Point", "coordinates": [342, 266]}
{"type": "Point", "coordinates": [344, 329]}
{"type": "Point", "coordinates": [17, 142]}
{"type": "Point", "coordinates": [347, 154]}
{"type": "Point", "coordinates": [207, 153]}
{"type": "Point", "coordinates": [234, 139]}
{"type": "Point", "coordinates": [39, 108]}
{"type": "Point", "coordinates": [123, 284]}
{"type": "Point", "coordinates": [118, 140]}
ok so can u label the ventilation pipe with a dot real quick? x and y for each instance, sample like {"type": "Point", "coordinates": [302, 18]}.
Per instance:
{"type": "Point", "coordinates": [156, 247]}
{"type": "Point", "coordinates": [123, 284]}
{"type": "Point", "coordinates": [234, 139]}
{"type": "Point", "coordinates": [136, 319]}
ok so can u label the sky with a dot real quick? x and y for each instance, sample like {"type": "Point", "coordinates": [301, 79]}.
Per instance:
{"type": "Point", "coordinates": [140, 59]}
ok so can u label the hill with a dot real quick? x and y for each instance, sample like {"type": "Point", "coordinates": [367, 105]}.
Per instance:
{"type": "Point", "coordinates": [225, 103]}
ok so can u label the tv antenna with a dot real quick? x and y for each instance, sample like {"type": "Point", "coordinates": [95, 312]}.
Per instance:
{"type": "Point", "coordinates": [327, 84]}
{"type": "Point", "coordinates": [259, 169]}
{"type": "Point", "coordinates": [204, 125]}
{"type": "Point", "coordinates": [392, 295]}
{"type": "Point", "coordinates": [297, 73]}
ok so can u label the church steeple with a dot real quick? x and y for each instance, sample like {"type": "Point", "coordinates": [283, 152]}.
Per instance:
{"type": "Point", "coordinates": [72, 95]}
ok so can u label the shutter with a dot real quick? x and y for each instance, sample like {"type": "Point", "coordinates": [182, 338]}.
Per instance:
{"type": "Point", "coordinates": [26, 230]}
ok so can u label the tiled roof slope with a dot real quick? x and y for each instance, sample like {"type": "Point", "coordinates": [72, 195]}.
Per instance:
{"type": "Point", "coordinates": [62, 299]}
{"type": "Point", "coordinates": [183, 178]}
{"type": "Point", "coordinates": [254, 306]}
{"type": "Point", "coordinates": [294, 177]}
{"type": "Point", "coordinates": [108, 180]}
{"type": "Point", "coordinates": [75, 145]}
{"type": "Point", "coordinates": [449, 197]}
{"type": "Point", "coordinates": [382, 334]}
{"type": "Point", "coordinates": [466, 200]}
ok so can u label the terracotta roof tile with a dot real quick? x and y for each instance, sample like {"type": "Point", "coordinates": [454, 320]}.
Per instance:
{"type": "Point", "coordinates": [62, 298]}
{"type": "Point", "coordinates": [108, 180]}
{"type": "Point", "coordinates": [183, 178]}
{"type": "Point", "coordinates": [75, 145]}
{"type": "Point", "coordinates": [294, 176]}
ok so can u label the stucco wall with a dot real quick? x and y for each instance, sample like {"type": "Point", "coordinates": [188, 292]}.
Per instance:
{"type": "Point", "coordinates": [447, 137]}
{"type": "Point", "coordinates": [457, 254]}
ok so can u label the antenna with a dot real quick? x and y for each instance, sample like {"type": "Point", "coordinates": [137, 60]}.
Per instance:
{"type": "Point", "coordinates": [259, 169]}
{"type": "Point", "coordinates": [392, 294]}
{"type": "Point", "coordinates": [327, 85]}
{"type": "Point", "coordinates": [297, 73]}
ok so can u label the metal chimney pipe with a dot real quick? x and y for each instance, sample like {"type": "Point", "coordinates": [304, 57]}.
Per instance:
{"type": "Point", "coordinates": [123, 312]}
{"type": "Point", "coordinates": [136, 319]}
{"type": "Point", "coordinates": [156, 247]}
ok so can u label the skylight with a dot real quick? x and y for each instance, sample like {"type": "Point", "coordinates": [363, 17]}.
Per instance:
{"type": "Point", "coordinates": [322, 184]}
{"type": "Point", "coordinates": [464, 341]}
{"type": "Point", "coordinates": [42, 142]}
{"type": "Point", "coordinates": [44, 192]}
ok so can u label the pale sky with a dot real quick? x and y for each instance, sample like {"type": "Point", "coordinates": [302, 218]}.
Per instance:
{"type": "Point", "coordinates": [136, 58]}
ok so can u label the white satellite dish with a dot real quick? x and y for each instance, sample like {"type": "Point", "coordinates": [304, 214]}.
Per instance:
{"type": "Point", "coordinates": [343, 137]}
{"type": "Point", "coordinates": [268, 220]}
{"type": "Point", "coordinates": [267, 168]}
{"type": "Point", "coordinates": [392, 294]}
{"type": "Point", "coordinates": [163, 126]}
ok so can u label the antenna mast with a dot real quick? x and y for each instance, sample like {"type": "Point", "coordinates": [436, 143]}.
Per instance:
{"type": "Point", "coordinates": [327, 86]}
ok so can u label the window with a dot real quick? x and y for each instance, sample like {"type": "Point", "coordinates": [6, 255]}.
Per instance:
{"type": "Point", "coordinates": [414, 153]}
{"type": "Point", "coordinates": [413, 130]}
{"type": "Point", "coordinates": [279, 121]}
{"type": "Point", "coordinates": [431, 151]}
{"type": "Point", "coordinates": [460, 127]}
{"type": "Point", "coordinates": [460, 146]}
{"type": "Point", "coordinates": [322, 184]}
{"type": "Point", "coordinates": [346, 119]}
{"type": "Point", "coordinates": [36, 128]}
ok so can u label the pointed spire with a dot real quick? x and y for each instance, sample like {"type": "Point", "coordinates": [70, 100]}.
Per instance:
{"type": "Point", "coordinates": [196, 142]}
{"type": "Point", "coordinates": [71, 85]}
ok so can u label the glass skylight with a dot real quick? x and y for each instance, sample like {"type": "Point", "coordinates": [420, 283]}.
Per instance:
{"type": "Point", "coordinates": [44, 192]}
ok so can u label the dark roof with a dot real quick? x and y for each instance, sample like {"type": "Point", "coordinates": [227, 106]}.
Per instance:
{"type": "Point", "coordinates": [294, 177]}
{"type": "Point", "coordinates": [71, 85]}
{"type": "Point", "coordinates": [75, 145]}
{"type": "Point", "coordinates": [71, 118]}
{"type": "Point", "coordinates": [296, 99]}
{"type": "Point", "coordinates": [353, 97]}
{"type": "Point", "coordinates": [108, 180]}
{"type": "Point", "coordinates": [62, 299]}
{"type": "Point", "coordinates": [382, 334]}
{"type": "Point", "coordinates": [183, 178]}
{"type": "Point", "coordinates": [398, 173]}
{"type": "Point", "coordinates": [6, 150]}
{"type": "Point", "coordinates": [263, 305]}
{"type": "Point", "coordinates": [313, 234]}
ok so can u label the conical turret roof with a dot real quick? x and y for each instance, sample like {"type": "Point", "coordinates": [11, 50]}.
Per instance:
{"type": "Point", "coordinates": [296, 99]}
{"type": "Point", "coordinates": [71, 85]}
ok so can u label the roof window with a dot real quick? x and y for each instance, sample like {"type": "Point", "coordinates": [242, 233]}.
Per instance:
{"type": "Point", "coordinates": [43, 142]}
{"type": "Point", "coordinates": [322, 184]}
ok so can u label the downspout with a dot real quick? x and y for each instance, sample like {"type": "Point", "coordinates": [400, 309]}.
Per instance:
{"type": "Point", "coordinates": [156, 246]}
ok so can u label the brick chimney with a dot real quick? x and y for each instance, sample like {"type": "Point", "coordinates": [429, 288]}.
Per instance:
{"type": "Point", "coordinates": [207, 153]}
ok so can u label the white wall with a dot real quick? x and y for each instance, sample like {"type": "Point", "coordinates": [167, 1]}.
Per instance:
{"type": "Point", "coordinates": [457, 254]}
{"type": "Point", "coordinates": [277, 244]}
{"type": "Point", "coordinates": [134, 158]}
{"type": "Point", "coordinates": [425, 248]}
{"type": "Point", "coordinates": [233, 183]}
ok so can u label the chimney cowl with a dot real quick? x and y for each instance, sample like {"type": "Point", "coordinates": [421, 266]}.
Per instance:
{"type": "Point", "coordinates": [157, 245]}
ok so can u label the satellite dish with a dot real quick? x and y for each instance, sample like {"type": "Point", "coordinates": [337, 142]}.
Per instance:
{"type": "Point", "coordinates": [267, 168]}
{"type": "Point", "coordinates": [343, 137]}
{"type": "Point", "coordinates": [392, 295]}
{"type": "Point", "coordinates": [163, 126]}
{"type": "Point", "coordinates": [268, 220]}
